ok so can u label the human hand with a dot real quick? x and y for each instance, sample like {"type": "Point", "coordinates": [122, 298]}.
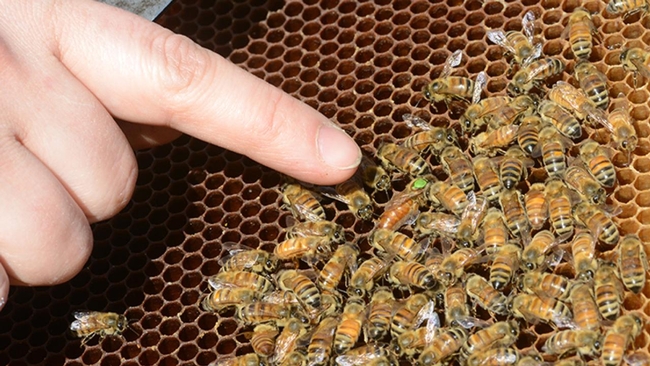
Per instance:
{"type": "Point", "coordinates": [68, 68]}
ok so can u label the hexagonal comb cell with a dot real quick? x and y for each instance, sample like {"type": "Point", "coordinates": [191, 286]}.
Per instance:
{"type": "Point", "coordinates": [363, 65]}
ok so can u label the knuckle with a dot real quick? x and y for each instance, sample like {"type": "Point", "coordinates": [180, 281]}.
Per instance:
{"type": "Point", "coordinates": [183, 65]}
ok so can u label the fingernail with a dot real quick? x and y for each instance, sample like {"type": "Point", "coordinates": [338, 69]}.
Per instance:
{"type": "Point", "coordinates": [337, 149]}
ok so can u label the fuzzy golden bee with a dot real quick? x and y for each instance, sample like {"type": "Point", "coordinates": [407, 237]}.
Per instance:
{"type": "Point", "coordinates": [90, 323]}
{"type": "Point", "coordinates": [519, 44]}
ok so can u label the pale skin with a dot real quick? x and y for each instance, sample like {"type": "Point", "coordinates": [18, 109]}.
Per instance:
{"type": "Point", "coordinates": [68, 68]}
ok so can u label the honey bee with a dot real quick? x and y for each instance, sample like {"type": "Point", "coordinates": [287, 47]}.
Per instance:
{"type": "Point", "coordinates": [330, 276]}
{"type": "Point", "coordinates": [553, 114]}
{"type": "Point", "coordinates": [324, 228]}
{"type": "Point", "coordinates": [583, 248]}
{"type": "Point", "coordinates": [407, 274]}
{"type": "Point", "coordinates": [635, 59]}
{"type": "Point", "coordinates": [593, 83]}
{"type": "Point", "coordinates": [578, 178]}
{"type": "Point", "coordinates": [528, 134]}
{"type": "Point", "coordinates": [90, 323]}
{"type": "Point", "coordinates": [414, 341]}
{"type": "Point", "coordinates": [286, 342]}
{"type": "Point", "coordinates": [519, 44]}
{"type": "Point", "coordinates": [403, 206]}
{"type": "Point", "coordinates": [619, 124]}
{"type": "Point", "coordinates": [402, 159]}
{"type": "Point", "coordinates": [505, 264]}
{"type": "Point", "coordinates": [250, 359]}
{"type": "Point", "coordinates": [352, 194]}
{"type": "Point", "coordinates": [302, 202]}
{"type": "Point", "coordinates": [431, 139]}
{"type": "Point", "coordinates": [514, 166]}
{"type": "Point", "coordinates": [534, 309]}
{"type": "Point", "coordinates": [482, 292]}
{"type": "Point", "coordinates": [585, 310]}
{"type": "Point", "coordinates": [576, 101]}
{"type": "Point", "coordinates": [585, 342]}
{"type": "Point", "coordinates": [380, 313]}
{"type": "Point", "coordinates": [520, 107]}
{"type": "Point", "coordinates": [626, 6]}
{"type": "Point", "coordinates": [226, 297]}
{"type": "Point", "coordinates": [595, 219]}
{"type": "Point", "coordinates": [502, 334]}
{"type": "Point", "coordinates": [445, 344]}
{"type": "Point", "coordinates": [597, 161]}
{"type": "Point", "coordinates": [410, 314]}
{"type": "Point", "coordinates": [608, 290]}
{"type": "Point", "coordinates": [499, 356]}
{"type": "Point", "coordinates": [487, 177]}
{"type": "Point", "coordinates": [437, 223]}
{"type": "Point", "coordinates": [453, 266]}
{"type": "Point", "coordinates": [320, 345]}
{"type": "Point", "coordinates": [534, 254]}
{"type": "Point", "coordinates": [310, 248]}
{"type": "Point", "coordinates": [455, 304]}
{"type": "Point", "coordinates": [473, 215]}
{"type": "Point", "coordinates": [447, 87]}
{"type": "Point", "coordinates": [619, 338]}
{"type": "Point", "coordinates": [545, 284]}
{"type": "Point", "coordinates": [552, 148]}
{"type": "Point", "coordinates": [580, 29]}
{"type": "Point", "coordinates": [302, 287]}
{"type": "Point", "coordinates": [513, 210]}
{"type": "Point", "coordinates": [449, 196]}
{"type": "Point", "coordinates": [632, 263]}
{"type": "Point", "coordinates": [493, 142]}
{"type": "Point", "coordinates": [459, 168]}
{"type": "Point", "coordinates": [472, 119]}
{"type": "Point", "coordinates": [536, 205]}
{"type": "Point", "coordinates": [398, 244]}
{"type": "Point", "coordinates": [243, 258]}
{"type": "Point", "coordinates": [242, 279]}
{"type": "Point", "coordinates": [534, 73]}
{"type": "Point", "coordinates": [373, 175]}
{"type": "Point", "coordinates": [495, 232]}
{"type": "Point", "coordinates": [263, 339]}
{"type": "Point", "coordinates": [349, 329]}
{"type": "Point", "coordinates": [264, 312]}
{"type": "Point", "coordinates": [559, 208]}
{"type": "Point", "coordinates": [363, 278]}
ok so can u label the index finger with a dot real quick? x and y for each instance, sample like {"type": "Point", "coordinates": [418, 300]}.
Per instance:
{"type": "Point", "coordinates": [144, 73]}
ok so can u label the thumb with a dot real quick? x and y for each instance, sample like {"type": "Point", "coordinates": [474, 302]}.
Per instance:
{"type": "Point", "coordinates": [144, 73]}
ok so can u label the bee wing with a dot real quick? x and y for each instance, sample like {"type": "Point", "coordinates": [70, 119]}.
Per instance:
{"type": "Point", "coordinates": [330, 192]}
{"type": "Point", "coordinates": [468, 322]}
{"type": "Point", "coordinates": [414, 121]}
{"type": "Point", "coordinates": [427, 312]}
{"type": "Point", "coordinates": [497, 36]}
{"type": "Point", "coordinates": [232, 248]}
{"type": "Point", "coordinates": [215, 284]}
{"type": "Point", "coordinates": [637, 359]}
{"type": "Point", "coordinates": [452, 61]}
{"type": "Point", "coordinates": [433, 324]}
{"type": "Point", "coordinates": [479, 84]}
{"type": "Point", "coordinates": [83, 315]}
{"type": "Point", "coordinates": [528, 25]}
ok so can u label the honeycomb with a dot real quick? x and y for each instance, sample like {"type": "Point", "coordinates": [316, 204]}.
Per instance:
{"type": "Point", "coordinates": [361, 65]}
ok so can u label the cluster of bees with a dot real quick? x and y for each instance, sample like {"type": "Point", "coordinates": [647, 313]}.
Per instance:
{"type": "Point", "coordinates": [472, 230]}
{"type": "Point", "coordinates": [461, 261]}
